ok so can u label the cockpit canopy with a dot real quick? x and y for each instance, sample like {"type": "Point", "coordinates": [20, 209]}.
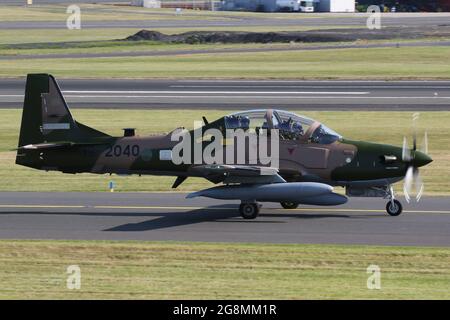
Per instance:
{"type": "Point", "coordinates": [290, 125]}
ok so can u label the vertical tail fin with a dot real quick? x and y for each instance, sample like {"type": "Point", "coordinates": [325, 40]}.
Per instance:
{"type": "Point", "coordinates": [46, 117]}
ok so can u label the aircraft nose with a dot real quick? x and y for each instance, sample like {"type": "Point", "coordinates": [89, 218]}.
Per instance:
{"type": "Point", "coordinates": [421, 159]}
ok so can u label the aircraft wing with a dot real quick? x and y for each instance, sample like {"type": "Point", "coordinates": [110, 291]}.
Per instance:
{"type": "Point", "coordinates": [239, 174]}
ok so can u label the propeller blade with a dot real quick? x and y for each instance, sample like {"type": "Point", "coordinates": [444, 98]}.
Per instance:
{"type": "Point", "coordinates": [418, 185]}
{"type": "Point", "coordinates": [425, 143]}
{"type": "Point", "coordinates": [412, 176]}
{"type": "Point", "coordinates": [408, 182]}
{"type": "Point", "coordinates": [406, 153]}
{"type": "Point", "coordinates": [413, 179]}
{"type": "Point", "coordinates": [415, 119]}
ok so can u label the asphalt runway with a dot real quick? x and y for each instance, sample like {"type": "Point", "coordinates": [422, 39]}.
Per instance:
{"type": "Point", "coordinates": [169, 216]}
{"type": "Point", "coordinates": [242, 94]}
{"type": "Point", "coordinates": [355, 20]}
{"type": "Point", "coordinates": [39, 2]}
{"type": "Point", "coordinates": [229, 19]}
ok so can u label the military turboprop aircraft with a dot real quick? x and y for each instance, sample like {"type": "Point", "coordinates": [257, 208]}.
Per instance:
{"type": "Point", "coordinates": [312, 158]}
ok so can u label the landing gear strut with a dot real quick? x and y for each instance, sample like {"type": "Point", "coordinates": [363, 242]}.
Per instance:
{"type": "Point", "coordinates": [289, 205]}
{"type": "Point", "coordinates": [393, 207]}
{"type": "Point", "coordinates": [249, 210]}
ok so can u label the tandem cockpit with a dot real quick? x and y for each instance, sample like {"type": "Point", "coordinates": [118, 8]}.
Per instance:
{"type": "Point", "coordinates": [290, 125]}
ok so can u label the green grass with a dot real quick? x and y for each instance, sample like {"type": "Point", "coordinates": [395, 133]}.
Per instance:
{"type": "Point", "coordinates": [114, 46]}
{"type": "Point", "coordinates": [62, 35]}
{"type": "Point", "coordinates": [106, 46]}
{"type": "Point", "coordinates": [379, 63]}
{"type": "Point", "coordinates": [383, 127]}
{"type": "Point", "coordinates": [154, 270]}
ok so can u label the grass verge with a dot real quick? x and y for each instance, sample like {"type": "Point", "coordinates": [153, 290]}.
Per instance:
{"type": "Point", "coordinates": [41, 49]}
{"type": "Point", "coordinates": [155, 270]}
{"type": "Point", "coordinates": [376, 63]}
{"type": "Point", "coordinates": [383, 127]}
{"type": "Point", "coordinates": [115, 46]}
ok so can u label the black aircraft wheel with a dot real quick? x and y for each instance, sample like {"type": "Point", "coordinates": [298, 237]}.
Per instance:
{"type": "Point", "coordinates": [289, 205]}
{"type": "Point", "coordinates": [394, 209]}
{"type": "Point", "coordinates": [249, 210]}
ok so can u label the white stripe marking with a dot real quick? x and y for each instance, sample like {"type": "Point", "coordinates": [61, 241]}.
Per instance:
{"type": "Point", "coordinates": [254, 97]}
{"type": "Point", "coordinates": [301, 81]}
{"type": "Point", "coordinates": [312, 87]}
{"type": "Point", "coordinates": [221, 92]}
{"type": "Point", "coordinates": [56, 126]}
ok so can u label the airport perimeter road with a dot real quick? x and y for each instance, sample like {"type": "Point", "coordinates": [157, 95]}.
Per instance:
{"type": "Point", "coordinates": [230, 20]}
{"type": "Point", "coordinates": [169, 216]}
{"type": "Point", "coordinates": [41, 2]}
{"type": "Point", "coordinates": [239, 94]}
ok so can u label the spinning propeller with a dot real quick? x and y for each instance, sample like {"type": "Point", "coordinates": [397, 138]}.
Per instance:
{"type": "Point", "coordinates": [414, 159]}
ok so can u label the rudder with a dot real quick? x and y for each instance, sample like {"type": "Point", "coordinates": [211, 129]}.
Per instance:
{"type": "Point", "coordinates": [46, 116]}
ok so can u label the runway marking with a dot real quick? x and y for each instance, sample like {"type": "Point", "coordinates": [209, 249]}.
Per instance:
{"type": "Point", "coordinates": [298, 97]}
{"type": "Point", "coordinates": [158, 207]}
{"type": "Point", "coordinates": [217, 92]}
{"type": "Point", "coordinates": [367, 210]}
{"type": "Point", "coordinates": [40, 206]}
{"type": "Point", "coordinates": [298, 209]}
{"type": "Point", "coordinates": [312, 87]}
{"type": "Point", "coordinates": [300, 81]}
{"type": "Point", "coordinates": [30, 206]}
{"type": "Point", "coordinates": [255, 97]}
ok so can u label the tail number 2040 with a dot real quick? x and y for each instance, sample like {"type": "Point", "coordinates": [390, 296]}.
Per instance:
{"type": "Point", "coordinates": [127, 150]}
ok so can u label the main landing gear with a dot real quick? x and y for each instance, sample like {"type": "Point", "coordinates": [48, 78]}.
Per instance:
{"type": "Point", "coordinates": [249, 210]}
{"type": "Point", "coordinates": [393, 207]}
{"type": "Point", "coordinates": [289, 205]}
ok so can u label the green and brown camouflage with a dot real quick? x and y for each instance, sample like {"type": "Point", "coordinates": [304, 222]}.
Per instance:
{"type": "Point", "coordinates": [50, 139]}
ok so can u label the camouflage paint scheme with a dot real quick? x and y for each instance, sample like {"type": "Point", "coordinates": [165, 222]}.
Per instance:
{"type": "Point", "coordinates": [50, 139]}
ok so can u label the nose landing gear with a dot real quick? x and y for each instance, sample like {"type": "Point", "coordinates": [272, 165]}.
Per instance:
{"type": "Point", "coordinates": [393, 207]}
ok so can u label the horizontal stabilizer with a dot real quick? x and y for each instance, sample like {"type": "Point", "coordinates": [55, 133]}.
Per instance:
{"type": "Point", "coordinates": [56, 145]}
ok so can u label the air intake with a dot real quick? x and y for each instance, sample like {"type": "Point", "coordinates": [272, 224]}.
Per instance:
{"type": "Point", "coordinates": [129, 132]}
